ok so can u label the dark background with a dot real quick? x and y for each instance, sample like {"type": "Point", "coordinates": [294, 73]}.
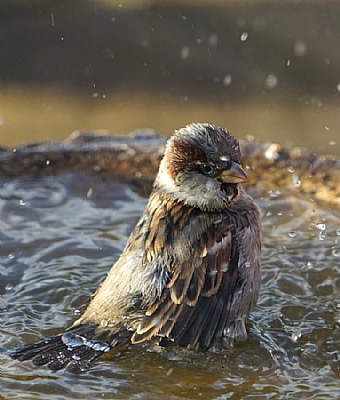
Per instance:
{"type": "Point", "coordinates": [264, 68]}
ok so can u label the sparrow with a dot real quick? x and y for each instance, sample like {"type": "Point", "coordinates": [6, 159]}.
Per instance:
{"type": "Point", "coordinates": [190, 272]}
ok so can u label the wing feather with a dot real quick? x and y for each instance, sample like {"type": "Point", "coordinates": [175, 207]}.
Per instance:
{"type": "Point", "coordinates": [188, 311]}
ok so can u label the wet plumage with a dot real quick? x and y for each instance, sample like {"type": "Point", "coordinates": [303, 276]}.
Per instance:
{"type": "Point", "coordinates": [190, 272]}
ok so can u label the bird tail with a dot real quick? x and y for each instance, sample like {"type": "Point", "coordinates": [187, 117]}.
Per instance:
{"type": "Point", "coordinates": [74, 350]}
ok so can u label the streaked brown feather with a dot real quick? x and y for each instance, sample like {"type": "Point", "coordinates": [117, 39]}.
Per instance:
{"type": "Point", "coordinates": [192, 284]}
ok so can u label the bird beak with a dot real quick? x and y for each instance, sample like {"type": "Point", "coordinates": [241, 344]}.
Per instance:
{"type": "Point", "coordinates": [235, 174]}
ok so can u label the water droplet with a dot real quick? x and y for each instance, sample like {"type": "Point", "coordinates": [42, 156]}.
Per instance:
{"type": "Point", "coordinates": [9, 286]}
{"type": "Point", "coordinates": [184, 53]}
{"type": "Point", "coordinates": [300, 48]}
{"type": "Point", "coordinates": [326, 128]}
{"type": "Point", "coordinates": [72, 340]}
{"type": "Point", "coordinates": [322, 235]}
{"type": "Point", "coordinates": [11, 256]}
{"type": "Point", "coordinates": [274, 193]}
{"type": "Point", "coordinates": [48, 162]}
{"type": "Point", "coordinates": [338, 232]}
{"type": "Point", "coordinates": [296, 335]}
{"type": "Point", "coordinates": [227, 80]}
{"type": "Point", "coordinates": [98, 345]}
{"type": "Point", "coordinates": [75, 357]}
{"type": "Point", "coordinates": [244, 36]}
{"type": "Point", "coordinates": [89, 193]}
{"type": "Point", "coordinates": [271, 81]}
{"type": "Point", "coordinates": [337, 304]}
{"type": "Point", "coordinates": [272, 153]}
{"type": "Point", "coordinates": [291, 170]}
{"type": "Point", "coordinates": [213, 40]}
{"type": "Point", "coordinates": [22, 202]}
{"type": "Point", "coordinates": [104, 323]}
{"type": "Point", "coordinates": [336, 252]}
{"type": "Point", "coordinates": [292, 234]}
{"type": "Point", "coordinates": [288, 63]}
{"type": "Point", "coordinates": [296, 181]}
{"type": "Point", "coordinates": [310, 349]}
{"type": "Point", "coordinates": [321, 226]}
{"type": "Point", "coordinates": [76, 312]}
{"type": "Point", "coordinates": [338, 87]}
{"type": "Point", "coordinates": [332, 142]}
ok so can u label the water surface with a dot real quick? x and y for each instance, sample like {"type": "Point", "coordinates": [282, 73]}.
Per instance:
{"type": "Point", "coordinates": [59, 235]}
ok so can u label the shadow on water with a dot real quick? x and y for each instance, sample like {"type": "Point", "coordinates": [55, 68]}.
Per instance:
{"type": "Point", "coordinates": [59, 236]}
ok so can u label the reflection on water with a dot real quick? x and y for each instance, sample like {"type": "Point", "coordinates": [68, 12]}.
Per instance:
{"type": "Point", "coordinates": [60, 235]}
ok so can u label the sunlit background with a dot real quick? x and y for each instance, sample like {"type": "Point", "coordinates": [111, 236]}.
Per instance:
{"type": "Point", "coordinates": [270, 69]}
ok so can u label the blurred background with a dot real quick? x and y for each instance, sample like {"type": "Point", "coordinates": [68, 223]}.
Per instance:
{"type": "Point", "coordinates": [270, 69]}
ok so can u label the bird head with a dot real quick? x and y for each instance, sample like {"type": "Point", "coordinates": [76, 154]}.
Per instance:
{"type": "Point", "coordinates": [201, 167]}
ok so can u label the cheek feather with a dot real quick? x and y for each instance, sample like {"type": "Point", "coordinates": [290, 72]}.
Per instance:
{"type": "Point", "coordinates": [182, 155]}
{"type": "Point", "coordinates": [167, 180]}
{"type": "Point", "coordinates": [210, 185]}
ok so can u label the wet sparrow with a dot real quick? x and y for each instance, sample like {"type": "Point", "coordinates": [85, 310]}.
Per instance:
{"type": "Point", "coordinates": [190, 272]}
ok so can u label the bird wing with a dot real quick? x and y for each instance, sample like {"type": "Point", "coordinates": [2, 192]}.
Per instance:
{"type": "Point", "coordinates": [194, 304]}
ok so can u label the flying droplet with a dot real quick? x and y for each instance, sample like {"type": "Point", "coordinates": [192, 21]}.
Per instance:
{"type": "Point", "coordinates": [244, 36]}
{"type": "Point", "coordinates": [300, 48]}
{"type": "Point", "coordinates": [227, 80]}
{"type": "Point", "coordinates": [89, 193]}
{"type": "Point", "coordinates": [213, 40]}
{"type": "Point", "coordinates": [184, 53]}
{"type": "Point", "coordinates": [271, 81]}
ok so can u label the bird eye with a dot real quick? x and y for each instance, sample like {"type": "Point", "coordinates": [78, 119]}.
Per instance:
{"type": "Point", "coordinates": [206, 168]}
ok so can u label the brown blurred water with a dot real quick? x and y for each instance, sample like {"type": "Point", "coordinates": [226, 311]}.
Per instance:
{"type": "Point", "coordinates": [262, 68]}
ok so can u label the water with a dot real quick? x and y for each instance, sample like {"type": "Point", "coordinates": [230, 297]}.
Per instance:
{"type": "Point", "coordinates": [58, 238]}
